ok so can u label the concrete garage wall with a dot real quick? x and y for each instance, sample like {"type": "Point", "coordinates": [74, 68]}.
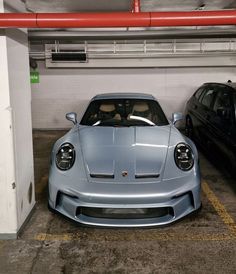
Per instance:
{"type": "Point", "coordinates": [16, 163]}
{"type": "Point", "coordinates": [65, 90]}
{"type": "Point", "coordinates": [20, 104]}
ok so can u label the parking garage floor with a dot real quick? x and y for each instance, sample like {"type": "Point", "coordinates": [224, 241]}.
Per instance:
{"type": "Point", "coordinates": [202, 243]}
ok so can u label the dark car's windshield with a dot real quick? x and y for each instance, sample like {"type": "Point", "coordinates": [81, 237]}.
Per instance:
{"type": "Point", "coordinates": [124, 112]}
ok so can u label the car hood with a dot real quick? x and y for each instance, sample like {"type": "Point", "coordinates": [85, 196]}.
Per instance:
{"type": "Point", "coordinates": [124, 153]}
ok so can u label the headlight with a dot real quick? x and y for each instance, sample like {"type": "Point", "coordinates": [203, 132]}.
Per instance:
{"type": "Point", "coordinates": [184, 157]}
{"type": "Point", "coordinates": [65, 157]}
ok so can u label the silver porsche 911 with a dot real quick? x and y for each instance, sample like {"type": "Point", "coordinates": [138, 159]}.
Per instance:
{"type": "Point", "coordinates": [124, 165]}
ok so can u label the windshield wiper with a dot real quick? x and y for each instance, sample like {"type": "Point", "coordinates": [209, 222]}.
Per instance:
{"type": "Point", "coordinates": [97, 123]}
{"type": "Point", "coordinates": [147, 121]}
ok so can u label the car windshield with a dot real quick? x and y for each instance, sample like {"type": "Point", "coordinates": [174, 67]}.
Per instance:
{"type": "Point", "coordinates": [124, 113]}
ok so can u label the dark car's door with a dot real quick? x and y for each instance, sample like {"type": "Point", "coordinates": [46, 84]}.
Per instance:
{"type": "Point", "coordinates": [203, 113]}
{"type": "Point", "coordinates": [192, 109]}
{"type": "Point", "coordinates": [222, 123]}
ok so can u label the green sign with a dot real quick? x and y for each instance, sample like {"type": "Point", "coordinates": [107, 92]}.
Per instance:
{"type": "Point", "coordinates": [34, 77]}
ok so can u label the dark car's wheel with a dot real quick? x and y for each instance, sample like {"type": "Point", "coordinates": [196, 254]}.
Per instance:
{"type": "Point", "coordinates": [189, 127]}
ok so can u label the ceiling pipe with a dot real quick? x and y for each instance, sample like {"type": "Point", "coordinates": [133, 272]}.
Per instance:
{"type": "Point", "coordinates": [51, 36]}
{"type": "Point", "coordinates": [136, 6]}
{"type": "Point", "coordinates": [117, 19]}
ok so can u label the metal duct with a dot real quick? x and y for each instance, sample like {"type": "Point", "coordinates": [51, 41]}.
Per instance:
{"type": "Point", "coordinates": [42, 36]}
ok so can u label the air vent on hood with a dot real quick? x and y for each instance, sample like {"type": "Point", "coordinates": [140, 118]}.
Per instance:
{"type": "Point", "coordinates": [102, 176]}
{"type": "Point", "coordinates": [146, 176]}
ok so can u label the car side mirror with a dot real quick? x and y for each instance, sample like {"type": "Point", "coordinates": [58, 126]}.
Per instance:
{"type": "Point", "coordinates": [177, 116]}
{"type": "Point", "coordinates": [72, 116]}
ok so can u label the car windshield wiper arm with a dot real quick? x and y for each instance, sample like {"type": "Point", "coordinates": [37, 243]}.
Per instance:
{"type": "Point", "coordinates": [97, 123]}
{"type": "Point", "coordinates": [133, 117]}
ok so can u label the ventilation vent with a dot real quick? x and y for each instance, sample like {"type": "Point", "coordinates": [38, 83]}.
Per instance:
{"type": "Point", "coordinates": [147, 176]}
{"type": "Point", "coordinates": [102, 176]}
{"type": "Point", "coordinates": [69, 56]}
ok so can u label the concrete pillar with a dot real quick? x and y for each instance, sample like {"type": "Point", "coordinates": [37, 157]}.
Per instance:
{"type": "Point", "coordinates": [16, 158]}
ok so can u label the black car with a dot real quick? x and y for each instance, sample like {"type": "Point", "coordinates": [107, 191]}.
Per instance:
{"type": "Point", "coordinates": [211, 120]}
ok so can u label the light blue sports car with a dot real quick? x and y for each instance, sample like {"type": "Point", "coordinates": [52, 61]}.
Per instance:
{"type": "Point", "coordinates": [124, 165]}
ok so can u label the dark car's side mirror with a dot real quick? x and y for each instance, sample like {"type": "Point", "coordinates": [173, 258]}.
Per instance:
{"type": "Point", "coordinates": [177, 117]}
{"type": "Point", "coordinates": [72, 116]}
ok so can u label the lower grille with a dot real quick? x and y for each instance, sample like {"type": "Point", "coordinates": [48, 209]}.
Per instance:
{"type": "Point", "coordinates": [125, 213]}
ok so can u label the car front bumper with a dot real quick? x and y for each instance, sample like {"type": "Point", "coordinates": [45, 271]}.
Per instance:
{"type": "Point", "coordinates": [141, 205]}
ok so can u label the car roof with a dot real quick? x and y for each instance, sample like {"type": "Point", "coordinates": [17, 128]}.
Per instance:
{"type": "Point", "coordinates": [124, 95]}
{"type": "Point", "coordinates": [229, 84]}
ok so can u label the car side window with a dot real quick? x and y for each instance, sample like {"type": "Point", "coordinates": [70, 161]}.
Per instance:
{"type": "Point", "coordinates": [234, 99]}
{"type": "Point", "coordinates": [198, 93]}
{"type": "Point", "coordinates": [208, 97]}
{"type": "Point", "coordinates": [223, 100]}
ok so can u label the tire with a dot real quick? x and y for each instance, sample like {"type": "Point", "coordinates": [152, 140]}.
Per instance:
{"type": "Point", "coordinates": [189, 128]}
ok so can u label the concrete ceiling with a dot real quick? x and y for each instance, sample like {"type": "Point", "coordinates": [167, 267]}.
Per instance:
{"type": "Point", "coordinates": [157, 5]}
{"type": "Point", "coordinates": [77, 6]}
{"type": "Point", "coordinates": [124, 5]}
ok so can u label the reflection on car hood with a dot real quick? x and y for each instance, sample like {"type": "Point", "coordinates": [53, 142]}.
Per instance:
{"type": "Point", "coordinates": [124, 153]}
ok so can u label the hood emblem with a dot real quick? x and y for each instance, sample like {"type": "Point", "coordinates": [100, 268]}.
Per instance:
{"type": "Point", "coordinates": [124, 173]}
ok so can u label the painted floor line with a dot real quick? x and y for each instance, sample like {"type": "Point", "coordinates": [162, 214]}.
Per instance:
{"type": "Point", "coordinates": [218, 206]}
{"type": "Point", "coordinates": [220, 209]}
{"type": "Point", "coordinates": [54, 237]}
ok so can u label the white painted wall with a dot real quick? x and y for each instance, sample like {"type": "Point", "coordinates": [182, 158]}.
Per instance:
{"type": "Point", "coordinates": [65, 90]}
{"type": "Point", "coordinates": [16, 161]}
{"type": "Point", "coordinates": [20, 102]}
{"type": "Point", "coordinates": [8, 213]}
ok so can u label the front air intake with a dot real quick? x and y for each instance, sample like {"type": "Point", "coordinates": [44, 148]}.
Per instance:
{"type": "Point", "coordinates": [125, 213]}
